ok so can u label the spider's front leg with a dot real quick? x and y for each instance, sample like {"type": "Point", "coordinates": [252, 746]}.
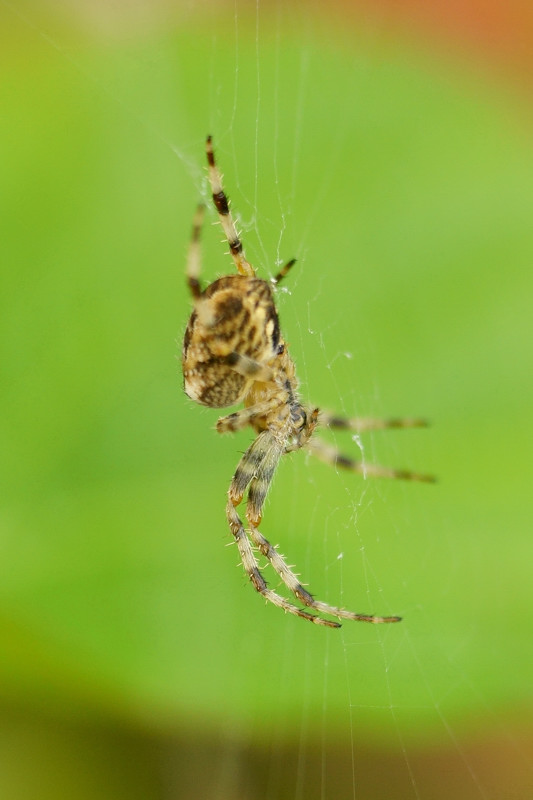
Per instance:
{"type": "Point", "coordinates": [256, 468]}
{"type": "Point", "coordinates": [256, 471]}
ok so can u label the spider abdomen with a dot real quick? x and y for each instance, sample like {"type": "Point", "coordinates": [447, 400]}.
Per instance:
{"type": "Point", "coordinates": [234, 315]}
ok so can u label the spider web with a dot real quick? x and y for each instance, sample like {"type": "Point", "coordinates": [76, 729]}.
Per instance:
{"type": "Point", "coordinates": [396, 711]}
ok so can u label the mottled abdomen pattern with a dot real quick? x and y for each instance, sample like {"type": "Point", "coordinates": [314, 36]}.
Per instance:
{"type": "Point", "coordinates": [235, 315]}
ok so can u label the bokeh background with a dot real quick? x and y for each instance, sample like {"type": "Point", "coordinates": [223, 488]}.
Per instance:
{"type": "Point", "coordinates": [390, 152]}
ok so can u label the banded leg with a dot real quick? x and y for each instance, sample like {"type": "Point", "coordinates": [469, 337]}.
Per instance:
{"type": "Point", "coordinates": [193, 267]}
{"type": "Point", "coordinates": [255, 473]}
{"type": "Point", "coordinates": [245, 416]}
{"type": "Point", "coordinates": [221, 202]}
{"type": "Point", "coordinates": [251, 568]}
{"type": "Point", "coordinates": [248, 367]}
{"type": "Point", "coordinates": [283, 271]}
{"type": "Point", "coordinates": [259, 464]}
{"type": "Point", "coordinates": [256, 498]}
{"type": "Point", "coordinates": [256, 468]}
{"type": "Point", "coordinates": [362, 424]}
{"type": "Point", "coordinates": [330, 455]}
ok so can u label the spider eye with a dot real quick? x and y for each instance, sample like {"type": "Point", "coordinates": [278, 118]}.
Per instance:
{"type": "Point", "coordinates": [281, 348]}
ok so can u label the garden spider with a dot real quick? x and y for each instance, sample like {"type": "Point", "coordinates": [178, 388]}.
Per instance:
{"type": "Point", "coordinates": [233, 352]}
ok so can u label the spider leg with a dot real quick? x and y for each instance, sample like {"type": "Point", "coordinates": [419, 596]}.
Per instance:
{"type": "Point", "coordinates": [192, 270]}
{"type": "Point", "coordinates": [251, 568]}
{"type": "Point", "coordinates": [255, 472]}
{"type": "Point", "coordinates": [245, 416]}
{"type": "Point", "coordinates": [261, 458]}
{"type": "Point", "coordinates": [362, 424]}
{"type": "Point", "coordinates": [256, 468]}
{"type": "Point", "coordinates": [221, 202]}
{"type": "Point", "coordinates": [330, 455]}
{"type": "Point", "coordinates": [291, 581]}
{"type": "Point", "coordinates": [249, 368]}
{"type": "Point", "coordinates": [283, 271]}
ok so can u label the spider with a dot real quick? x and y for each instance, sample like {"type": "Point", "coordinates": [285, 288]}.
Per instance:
{"type": "Point", "coordinates": [233, 353]}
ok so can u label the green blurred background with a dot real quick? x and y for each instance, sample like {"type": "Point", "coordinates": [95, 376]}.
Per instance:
{"type": "Point", "coordinates": [135, 660]}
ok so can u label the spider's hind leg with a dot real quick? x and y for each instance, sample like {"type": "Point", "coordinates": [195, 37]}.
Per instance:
{"type": "Point", "coordinates": [220, 199]}
{"type": "Point", "coordinates": [283, 272]}
{"type": "Point", "coordinates": [194, 260]}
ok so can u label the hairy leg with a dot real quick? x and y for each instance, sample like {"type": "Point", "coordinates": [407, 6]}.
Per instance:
{"type": "Point", "coordinates": [221, 202]}
{"type": "Point", "coordinates": [330, 455]}
{"type": "Point", "coordinates": [255, 473]}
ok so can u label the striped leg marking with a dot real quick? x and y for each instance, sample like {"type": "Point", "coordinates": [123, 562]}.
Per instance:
{"type": "Point", "coordinates": [254, 473]}
{"type": "Point", "coordinates": [330, 455]}
{"type": "Point", "coordinates": [220, 199]}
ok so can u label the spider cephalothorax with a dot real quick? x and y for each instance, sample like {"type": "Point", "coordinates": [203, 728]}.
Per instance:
{"type": "Point", "coordinates": [233, 353]}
